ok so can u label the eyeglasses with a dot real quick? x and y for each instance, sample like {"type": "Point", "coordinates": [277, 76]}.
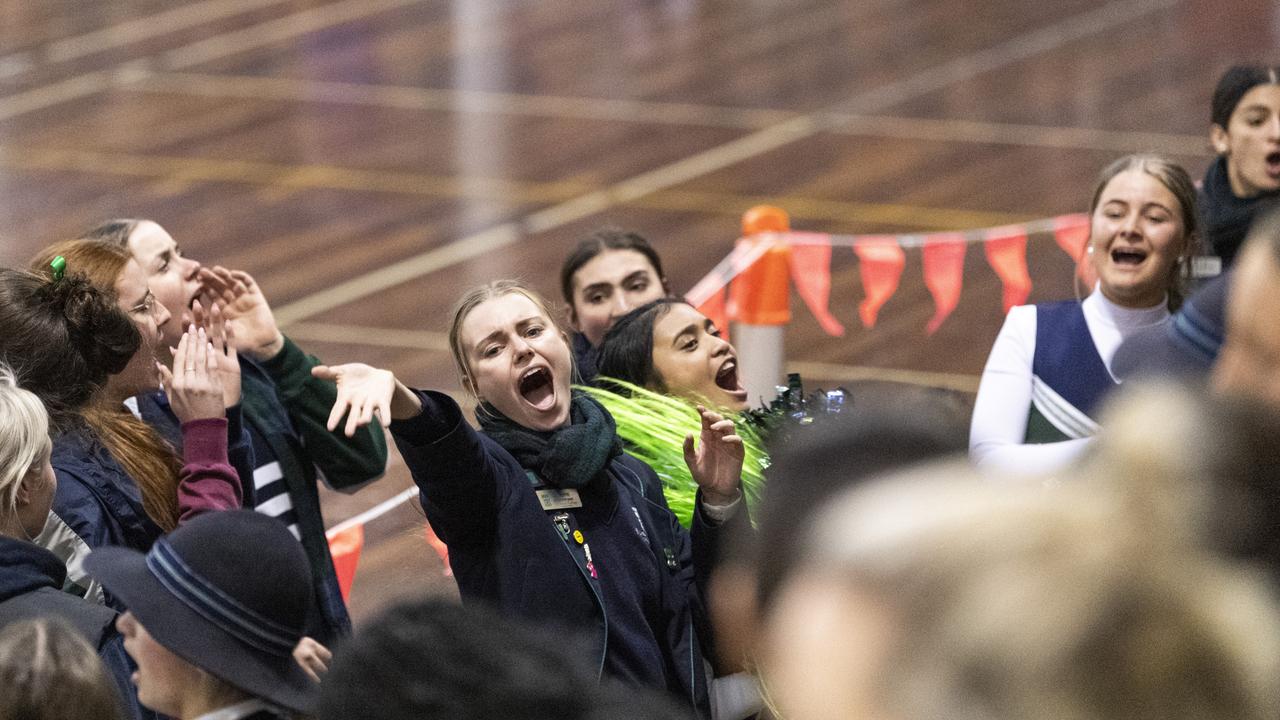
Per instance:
{"type": "Point", "coordinates": [146, 307]}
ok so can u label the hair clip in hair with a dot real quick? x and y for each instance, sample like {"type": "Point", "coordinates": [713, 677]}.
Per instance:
{"type": "Point", "coordinates": [59, 265]}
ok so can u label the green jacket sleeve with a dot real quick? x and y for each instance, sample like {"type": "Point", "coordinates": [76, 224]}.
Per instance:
{"type": "Point", "coordinates": [345, 462]}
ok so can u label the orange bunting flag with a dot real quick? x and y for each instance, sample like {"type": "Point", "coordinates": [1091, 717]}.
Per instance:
{"type": "Point", "coordinates": [345, 547]}
{"type": "Point", "coordinates": [1006, 249]}
{"type": "Point", "coordinates": [943, 257]}
{"type": "Point", "coordinates": [1071, 232]}
{"type": "Point", "coordinates": [811, 273]}
{"type": "Point", "coordinates": [881, 261]}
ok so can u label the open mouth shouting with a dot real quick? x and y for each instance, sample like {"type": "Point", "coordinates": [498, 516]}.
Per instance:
{"type": "Point", "coordinates": [1128, 256]}
{"type": "Point", "coordinates": [537, 389]}
{"type": "Point", "coordinates": [727, 380]}
{"type": "Point", "coordinates": [1272, 165]}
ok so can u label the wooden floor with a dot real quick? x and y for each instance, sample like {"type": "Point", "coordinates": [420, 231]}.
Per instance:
{"type": "Point", "coordinates": [368, 160]}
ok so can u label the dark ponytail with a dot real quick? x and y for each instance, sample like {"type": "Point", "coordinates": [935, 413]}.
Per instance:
{"type": "Point", "coordinates": [600, 241]}
{"type": "Point", "coordinates": [104, 336]}
{"type": "Point", "coordinates": [1233, 85]}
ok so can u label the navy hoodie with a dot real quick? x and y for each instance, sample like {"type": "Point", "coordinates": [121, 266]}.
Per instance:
{"type": "Point", "coordinates": [31, 587]}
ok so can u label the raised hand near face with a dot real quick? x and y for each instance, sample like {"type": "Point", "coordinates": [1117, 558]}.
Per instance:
{"type": "Point", "coordinates": [716, 461]}
{"type": "Point", "coordinates": [364, 391]}
{"type": "Point", "coordinates": [222, 335]}
{"type": "Point", "coordinates": [246, 311]}
{"type": "Point", "coordinates": [194, 386]}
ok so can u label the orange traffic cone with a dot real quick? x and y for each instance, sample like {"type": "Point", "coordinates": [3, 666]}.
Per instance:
{"type": "Point", "coordinates": [759, 303]}
{"type": "Point", "coordinates": [345, 547]}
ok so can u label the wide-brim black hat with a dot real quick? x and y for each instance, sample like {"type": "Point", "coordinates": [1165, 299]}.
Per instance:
{"type": "Point", "coordinates": [228, 593]}
{"type": "Point", "coordinates": [1186, 346]}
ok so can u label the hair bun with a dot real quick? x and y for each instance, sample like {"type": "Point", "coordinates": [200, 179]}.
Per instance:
{"type": "Point", "coordinates": [102, 334]}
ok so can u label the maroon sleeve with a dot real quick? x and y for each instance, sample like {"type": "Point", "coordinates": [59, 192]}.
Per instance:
{"type": "Point", "coordinates": [207, 480]}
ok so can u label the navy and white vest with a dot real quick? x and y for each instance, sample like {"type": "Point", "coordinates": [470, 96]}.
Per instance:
{"type": "Point", "coordinates": [1068, 377]}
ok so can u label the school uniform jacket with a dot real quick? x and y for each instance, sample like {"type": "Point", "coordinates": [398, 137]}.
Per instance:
{"type": "Point", "coordinates": [97, 503]}
{"type": "Point", "coordinates": [506, 550]}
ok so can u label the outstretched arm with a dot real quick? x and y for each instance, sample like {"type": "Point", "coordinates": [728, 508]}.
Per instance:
{"type": "Point", "coordinates": [716, 465]}
{"type": "Point", "coordinates": [456, 469]}
{"type": "Point", "coordinates": [363, 392]}
{"type": "Point", "coordinates": [347, 462]}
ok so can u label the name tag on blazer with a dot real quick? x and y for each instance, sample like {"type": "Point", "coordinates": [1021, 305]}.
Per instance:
{"type": "Point", "coordinates": [555, 499]}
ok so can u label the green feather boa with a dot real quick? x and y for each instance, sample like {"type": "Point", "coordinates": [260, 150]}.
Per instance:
{"type": "Point", "coordinates": [653, 427]}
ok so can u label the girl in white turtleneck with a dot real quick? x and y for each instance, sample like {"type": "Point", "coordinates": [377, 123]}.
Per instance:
{"type": "Point", "coordinates": [1051, 364]}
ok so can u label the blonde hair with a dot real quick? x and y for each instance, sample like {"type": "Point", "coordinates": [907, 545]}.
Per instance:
{"type": "Point", "coordinates": [145, 456]}
{"type": "Point", "coordinates": [49, 672]}
{"type": "Point", "coordinates": [473, 299]}
{"type": "Point", "coordinates": [24, 436]}
{"type": "Point", "coordinates": [1088, 600]}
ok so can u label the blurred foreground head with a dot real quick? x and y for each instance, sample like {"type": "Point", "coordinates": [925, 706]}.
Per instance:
{"type": "Point", "coordinates": [49, 672]}
{"type": "Point", "coordinates": [1249, 363]}
{"type": "Point", "coordinates": [890, 426]}
{"type": "Point", "coordinates": [435, 659]}
{"type": "Point", "coordinates": [938, 593]}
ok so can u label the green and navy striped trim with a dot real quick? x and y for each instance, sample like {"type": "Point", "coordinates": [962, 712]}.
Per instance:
{"type": "Point", "coordinates": [1066, 417]}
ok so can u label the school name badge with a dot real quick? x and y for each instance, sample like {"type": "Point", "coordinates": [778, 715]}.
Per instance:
{"type": "Point", "coordinates": [559, 499]}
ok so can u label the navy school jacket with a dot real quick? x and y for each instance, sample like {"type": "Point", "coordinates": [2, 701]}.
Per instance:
{"type": "Point", "coordinates": [98, 504]}
{"type": "Point", "coordinates": [505, 550]}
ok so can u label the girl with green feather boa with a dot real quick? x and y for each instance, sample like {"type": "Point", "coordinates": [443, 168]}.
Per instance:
{"type": "Point", "coordinates": [654, 425]}
{"type": "Point", "coordinates": [659, 366]}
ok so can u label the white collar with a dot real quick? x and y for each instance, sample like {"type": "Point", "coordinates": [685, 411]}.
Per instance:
{"type": "Point", "coordinates": [237, 711]}
{"type": "Point", "coordinates": [1122, 317]}
{"type": "Point", "coordinates": [132, 404]}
